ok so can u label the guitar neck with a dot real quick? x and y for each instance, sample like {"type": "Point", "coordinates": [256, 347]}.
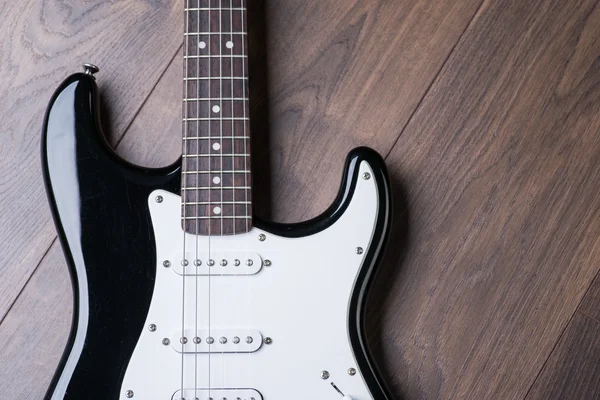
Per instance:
{"type": "Point", "coordinates": [216, 175]}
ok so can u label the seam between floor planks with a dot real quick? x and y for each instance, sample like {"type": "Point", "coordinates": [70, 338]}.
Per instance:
{"type": "Point", "coordinates": [562, 333]}
{"type": "Point", "coordinates": [420, 103]}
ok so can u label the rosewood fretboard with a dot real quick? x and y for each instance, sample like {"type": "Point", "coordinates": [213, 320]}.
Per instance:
{"type": "Point", "coordinates": [216, 181]}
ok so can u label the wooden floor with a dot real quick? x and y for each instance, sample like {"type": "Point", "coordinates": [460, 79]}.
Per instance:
{"type": "Point", "coordinates": [487, 112]}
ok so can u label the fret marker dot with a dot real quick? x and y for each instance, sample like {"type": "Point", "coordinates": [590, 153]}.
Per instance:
{"type": "Point", "coordinates": [216, 109]}
{"type": "Point", "coordinates": [216, 146]}
{"type": "Point", "coordinates": [216, 180]}
{"type": "Point", "coordinates": [217, 210]}
{"type": "Point", "coordinates": [202, 44]}
{"type": "Point", "coordinates": [229, 45]}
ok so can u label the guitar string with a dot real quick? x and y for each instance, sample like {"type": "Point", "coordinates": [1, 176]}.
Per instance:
{"type": "Point", "coordinates": [210, 207]}
{"type": "Point", "coordinates": [245, 100]}
{"type": "Point", "coordinates": [187, 23]}
{"type": "Point", "coordinates": [222, 149]}
{"type": "Point", "coordinates": [232, 71]}
{"type": "Point", "coordinates": [197, 257]}
{"type": "Point", "coordinates": [245, 96]}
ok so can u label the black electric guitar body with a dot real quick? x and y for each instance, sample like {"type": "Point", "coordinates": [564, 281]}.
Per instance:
{"type": "Point", "coordinates": [179, 292]}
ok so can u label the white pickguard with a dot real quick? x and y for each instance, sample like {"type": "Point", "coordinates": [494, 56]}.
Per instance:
{"type": "Point", "coordinates": [300, 302]}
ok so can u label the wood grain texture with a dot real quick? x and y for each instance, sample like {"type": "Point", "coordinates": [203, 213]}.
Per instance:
{"type": "Point", "coordinates": [501, 169]}
{"type": "Point", "coordinates": [591, 302]}
{"type": "Point", "coordinates": [573, 369]}
{"type": "Point", "coordinates": [36, 330]}
{"type": "Point", "coordinates": [43, 42]}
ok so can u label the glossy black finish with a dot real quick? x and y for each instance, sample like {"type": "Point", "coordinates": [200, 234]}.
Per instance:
{"type": "Point", "coordinates": [99, 203]}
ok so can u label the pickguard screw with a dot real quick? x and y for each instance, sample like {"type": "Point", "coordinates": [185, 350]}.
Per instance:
{"type": "Point", "coordinates": [352, 372]}
{"type": "Point", "coordinates": [359, 250]}
{"type": "Point", "coordinates": [366, 176]}
{"type": "Point", "coordinates": [152, 328]}
{"type": "Point", "coordinates": [268, 340]}
{"type": "Point", "coordinates": [166, 263]}
{"type": "Point", "coordinates": [262, 237]}
{"type": "Point", "coordinates": [324, 375]}
{"type": "Point", "coordinates": [159, 199]}
{"type": "Point", "coordinates": [129, 394]}
{"type": "Point", "coordinates": [267, 263]}
{"type": "Point", "coordinates": [166, 341]}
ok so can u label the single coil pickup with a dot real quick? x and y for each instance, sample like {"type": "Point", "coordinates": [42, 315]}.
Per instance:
{"type": "Point", "coordinates": [228, 394]}
{"type": "Point", "coordinates": [217, 341]}
{"type": "Point", "coordinates": [215, 263]}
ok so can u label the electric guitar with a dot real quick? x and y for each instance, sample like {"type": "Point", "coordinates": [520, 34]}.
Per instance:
{"type": "Point", "coordinates": [179, 292]}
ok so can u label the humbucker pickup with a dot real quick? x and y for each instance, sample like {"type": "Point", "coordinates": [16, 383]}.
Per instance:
{"type": "Point", "coordinates": [217, 341]}
{"type": "Point", "coordinates": [216, 263]}
{"type": "Point", "coordinates": [234, 394]}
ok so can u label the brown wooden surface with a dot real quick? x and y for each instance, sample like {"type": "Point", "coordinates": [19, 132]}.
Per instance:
{"type": "Point", "coordinates": [591, 302]}
{"type": "Point", "coordinates": [489, 113]}
{"type": "Point", "coordinates": [573, 369]}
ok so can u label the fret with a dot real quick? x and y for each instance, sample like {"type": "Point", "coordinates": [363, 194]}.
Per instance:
{"type": "Point", "coordinates": [214, 155]}
{"type": "Point", "coordinates": [214, 172]}
{"type": "Point", "coordinates": [205, 78]}
{"type": "Point", "coordinates": [216, 98]}
{"type": "Point", "coordinates": [220, 217]}
{"type": "Point", "coordinates": [214, 33]}
{"type": "Point", "coordinates": [217, 138]}
{"type": "Point", "coordinates": [217, 188]}
{"type": "Point", "coordinates": [215, 56]}
{"type": "Point", "coordinates": [214, 9]}
{"type": "Point", "coordinates": [209, 203]}
{"type": "Point", "coordinates": [217, 119]}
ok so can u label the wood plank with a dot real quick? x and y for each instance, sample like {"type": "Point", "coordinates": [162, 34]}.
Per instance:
{"type": "Point", "coordinates": [383, 56]}
{"type": "Point", "coordinates": [573, 369]}
{"type": "Point", "coordinates": [36, 330]}
{"type": "Point", "coordinates": [591, 302]}
{"type": "Point", "coordinates": [500, 170]}
{"type": "Point", "coordinates": [44, 41]}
